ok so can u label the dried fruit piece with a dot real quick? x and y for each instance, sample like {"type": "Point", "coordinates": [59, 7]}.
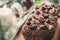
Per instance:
{"type": "Point", "coordinates": [43, 8]}
{"type": "Point", "coordinates": [28, 23]}
{"type": "Point", "coordinates": [42, 20]}
{"type": "Point", "coordinates": [49, 8]}
{"type": "Point", "coordinates": [37, 12]}
{"type": "Point", "coordinates": [29, 19]}
{"type": "Point", "coordinates": [33, 27]}
{"type": "Point", "coordinates": [46, 16]}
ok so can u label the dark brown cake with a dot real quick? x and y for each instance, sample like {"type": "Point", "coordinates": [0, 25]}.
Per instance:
{"type": "Point", "coordinates": [42, 24]}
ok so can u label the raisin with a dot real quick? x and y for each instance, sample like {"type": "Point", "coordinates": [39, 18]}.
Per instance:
{"type": "Point", "coordinates": [42, 20]}
{"type": "Point", "coordinates": [43, 8]}
{"type": "Point", "coordinates": [29, 19]}
{"type": "Point", "coordinates": [46, 16]}
{"type": "Point", "coordinates": [33, 27]}
{"type": "Point", "coordinates": [28, 23]}
{"type": "Point", "coordinates": [37, 12]}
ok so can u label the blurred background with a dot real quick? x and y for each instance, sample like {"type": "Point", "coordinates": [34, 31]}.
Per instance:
{"type": "Point", "coordinates": [9, 2]}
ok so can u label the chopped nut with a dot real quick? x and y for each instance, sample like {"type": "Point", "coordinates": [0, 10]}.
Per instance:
{"type": "Point", "coordinates": [40, 16]}
{"type": "Point", "coordinates": [50, 27]}
{"type": "Point", "coordinates": [55, 17]}
{"type": "Point", "coordinates": [46, 10]}
{"type": "Point", "coordinates": [53, 5]}
{"type": "Point", "coordinates": [37, 7]}
{"type": "Point", "coordinates": [52, 11]}
{"type": "Point", "coordinates": [48, 21]}
{"type": "Point", "coordinates": [36, 16]}
{"type": "Point", "coordinates": [42, 25]}
{"type": "Point", "coordinates": [43, 4]}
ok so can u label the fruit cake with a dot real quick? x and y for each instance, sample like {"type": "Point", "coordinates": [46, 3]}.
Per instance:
{"type": "Point", "coordinates": [42, 23]}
